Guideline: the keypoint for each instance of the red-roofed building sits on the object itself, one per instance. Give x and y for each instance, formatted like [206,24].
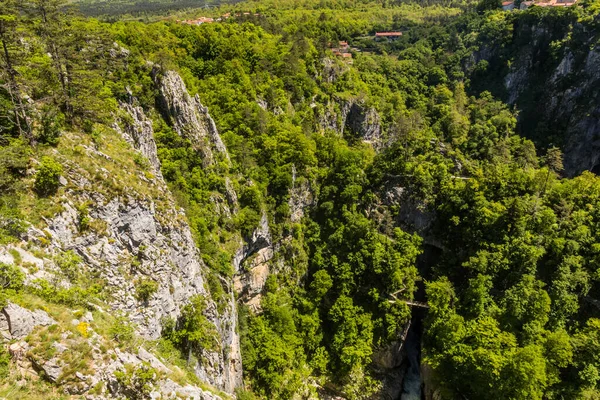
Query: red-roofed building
[199,21]
[388,35]
[508,5]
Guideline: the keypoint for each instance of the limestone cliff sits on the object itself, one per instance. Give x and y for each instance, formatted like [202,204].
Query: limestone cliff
[354,119]
[188,116]
[117,215]
[550,73]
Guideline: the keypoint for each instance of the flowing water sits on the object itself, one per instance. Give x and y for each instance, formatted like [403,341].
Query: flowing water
[411,384]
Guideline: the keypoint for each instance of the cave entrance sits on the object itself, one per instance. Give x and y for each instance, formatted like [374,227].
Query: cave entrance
[595,169]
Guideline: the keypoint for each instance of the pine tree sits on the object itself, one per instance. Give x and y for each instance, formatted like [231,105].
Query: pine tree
[9,38]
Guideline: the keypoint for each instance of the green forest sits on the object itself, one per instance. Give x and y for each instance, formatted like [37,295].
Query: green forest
[491,233]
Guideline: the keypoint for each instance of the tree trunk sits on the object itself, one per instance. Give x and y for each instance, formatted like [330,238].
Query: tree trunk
[15,92]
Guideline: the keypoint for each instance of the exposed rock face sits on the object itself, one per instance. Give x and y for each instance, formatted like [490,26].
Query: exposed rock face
[52,369]
[362,121]
[17,322]
[249,284]
[557,93]
[575,109]
[430,391]
[231,196]
[139,133]
[139,236]
[188,116]
[163,249]
[301,197]
[100,363]
[332,70]
[354,118]
[252,264]
[222,369]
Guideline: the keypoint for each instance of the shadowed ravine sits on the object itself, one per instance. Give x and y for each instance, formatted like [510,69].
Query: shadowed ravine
[411,385]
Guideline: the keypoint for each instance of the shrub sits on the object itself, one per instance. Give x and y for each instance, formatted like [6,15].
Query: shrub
[121,330]
[73,296]
[247,221]
[11,277]
[12,223]
[141,161]
[83,217]
[193,331]
[242,394]
[144,289]
[52,123]
[47,177]
[4,363]
[14,160]
[137,382]
[69,263]
[251,197]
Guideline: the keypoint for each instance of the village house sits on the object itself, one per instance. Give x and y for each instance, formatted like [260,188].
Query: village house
[556,3]
[199,21]
[387,35]
[342,51]
[525,5]
[508,5]
[545,3]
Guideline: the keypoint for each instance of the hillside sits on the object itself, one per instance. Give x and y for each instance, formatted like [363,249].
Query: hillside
[283,205]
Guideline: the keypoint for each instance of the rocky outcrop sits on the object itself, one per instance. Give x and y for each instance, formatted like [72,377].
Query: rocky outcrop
[231,196]
[362,121]
[570,112]
[252,264]
[222,369]
[189,118]
[102,369]
[136,235]
[353,118]
[301,197]
[430,386]
[550,74]
[140,243]
[17,322]
[332,70]
[139,133]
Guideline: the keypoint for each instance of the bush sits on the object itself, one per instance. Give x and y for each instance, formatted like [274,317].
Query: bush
[141,161]
[48,176]
[52,123]
[14,160]
[242,394]
[247,221]
[192,332]
[251,197]
[4,363]
[12,223]
[75,296]
[69,263]
[83,217]
[137,382]
[121,330]
[144,289]
[11,277]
